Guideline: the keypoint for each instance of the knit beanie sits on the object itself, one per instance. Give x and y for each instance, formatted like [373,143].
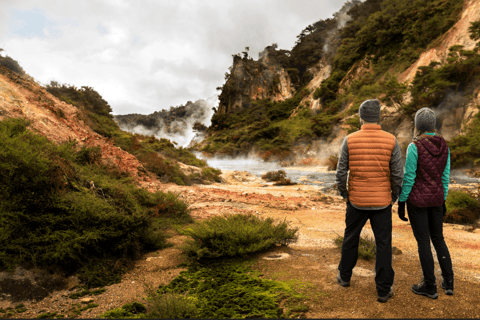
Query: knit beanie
[425,119]
[370,110]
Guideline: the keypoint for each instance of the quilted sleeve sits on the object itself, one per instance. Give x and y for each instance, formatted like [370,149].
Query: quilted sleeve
[410,172]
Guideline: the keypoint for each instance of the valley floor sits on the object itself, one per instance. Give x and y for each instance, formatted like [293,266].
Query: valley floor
[311,262]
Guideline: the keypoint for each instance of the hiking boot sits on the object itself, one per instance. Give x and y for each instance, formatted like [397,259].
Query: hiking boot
[385,298]
[342,283]
[448,288]
[423,290]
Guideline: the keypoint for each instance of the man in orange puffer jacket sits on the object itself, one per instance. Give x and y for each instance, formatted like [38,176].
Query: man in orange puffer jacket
[374,160]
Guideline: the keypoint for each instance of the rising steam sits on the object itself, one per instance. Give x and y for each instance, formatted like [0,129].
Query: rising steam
[175,124]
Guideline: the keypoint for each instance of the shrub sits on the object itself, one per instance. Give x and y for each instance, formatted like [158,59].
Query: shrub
[230,289]
[274,175]
[133,310]
[332,162]
[366,246]
[211,174]
[234,235]
[171,306]
[461,207]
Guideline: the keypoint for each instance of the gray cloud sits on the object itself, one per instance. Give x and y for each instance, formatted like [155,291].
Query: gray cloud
[153,54]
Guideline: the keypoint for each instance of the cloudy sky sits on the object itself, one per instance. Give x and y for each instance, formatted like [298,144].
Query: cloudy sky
[147,55]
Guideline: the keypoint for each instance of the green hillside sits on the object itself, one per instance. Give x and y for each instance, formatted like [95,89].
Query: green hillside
[387,37]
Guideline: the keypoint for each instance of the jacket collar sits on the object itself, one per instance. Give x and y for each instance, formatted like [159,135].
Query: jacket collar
[370,126]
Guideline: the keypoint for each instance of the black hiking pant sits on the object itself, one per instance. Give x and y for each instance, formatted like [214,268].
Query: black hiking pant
[381,222]
[427,224]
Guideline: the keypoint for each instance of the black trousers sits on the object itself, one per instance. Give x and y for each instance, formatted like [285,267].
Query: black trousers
[427,224]
[381,222]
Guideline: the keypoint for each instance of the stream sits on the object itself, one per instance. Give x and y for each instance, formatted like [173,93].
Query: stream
[315,175]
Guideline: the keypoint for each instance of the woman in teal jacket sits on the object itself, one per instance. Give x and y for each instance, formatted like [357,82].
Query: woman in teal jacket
[424,191]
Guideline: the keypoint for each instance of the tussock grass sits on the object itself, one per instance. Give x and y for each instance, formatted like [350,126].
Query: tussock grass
[234,235]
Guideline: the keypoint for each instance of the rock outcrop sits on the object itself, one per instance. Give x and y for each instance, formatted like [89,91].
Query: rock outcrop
[255,80]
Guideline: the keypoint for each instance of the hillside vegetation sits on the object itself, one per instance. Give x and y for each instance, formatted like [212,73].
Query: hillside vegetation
[63,210]
[159,156]
[384,38]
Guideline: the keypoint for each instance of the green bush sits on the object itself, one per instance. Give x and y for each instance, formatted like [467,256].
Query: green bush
[58,211]
[133,310]
[230,289]
[234,235]
[461,207]
[171,306]
[366,246]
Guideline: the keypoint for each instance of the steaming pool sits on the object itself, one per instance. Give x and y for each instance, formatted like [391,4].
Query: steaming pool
[318,176]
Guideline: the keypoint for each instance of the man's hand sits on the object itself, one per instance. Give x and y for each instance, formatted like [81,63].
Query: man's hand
[401,211]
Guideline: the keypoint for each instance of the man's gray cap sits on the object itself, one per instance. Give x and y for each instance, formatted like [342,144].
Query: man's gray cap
[370,110]
[425,119]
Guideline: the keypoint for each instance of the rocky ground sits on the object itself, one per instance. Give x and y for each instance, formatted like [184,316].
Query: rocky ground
[311,261]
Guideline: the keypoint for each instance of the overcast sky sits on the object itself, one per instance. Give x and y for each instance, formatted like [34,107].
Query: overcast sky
[147,55]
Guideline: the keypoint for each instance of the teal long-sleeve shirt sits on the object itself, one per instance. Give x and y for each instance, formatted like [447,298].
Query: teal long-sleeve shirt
[411,172]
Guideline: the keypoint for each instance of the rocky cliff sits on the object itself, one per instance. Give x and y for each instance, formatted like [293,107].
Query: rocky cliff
[339,81]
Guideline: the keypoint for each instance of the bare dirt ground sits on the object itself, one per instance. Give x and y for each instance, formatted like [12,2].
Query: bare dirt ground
[311,263]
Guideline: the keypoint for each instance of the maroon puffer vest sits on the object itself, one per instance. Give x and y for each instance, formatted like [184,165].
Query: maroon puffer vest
[427,190]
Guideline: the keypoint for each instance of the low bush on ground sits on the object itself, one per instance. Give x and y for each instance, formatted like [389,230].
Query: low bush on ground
[133,310]
[366,247]
[278,177]
[171,306]
[230,289]
[461,207]
[274,175]
[60,210]
[234,235]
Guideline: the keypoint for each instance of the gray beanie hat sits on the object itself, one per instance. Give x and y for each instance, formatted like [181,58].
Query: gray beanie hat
[425,119]
[370,110]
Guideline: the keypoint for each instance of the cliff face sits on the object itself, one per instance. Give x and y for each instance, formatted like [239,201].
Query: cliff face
[255,80]
[267,79]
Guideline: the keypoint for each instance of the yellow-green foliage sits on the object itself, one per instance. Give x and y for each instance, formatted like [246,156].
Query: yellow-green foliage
[59,209]
[234,235]
[230,289]
[133,310]
[461,207]
[171,306]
